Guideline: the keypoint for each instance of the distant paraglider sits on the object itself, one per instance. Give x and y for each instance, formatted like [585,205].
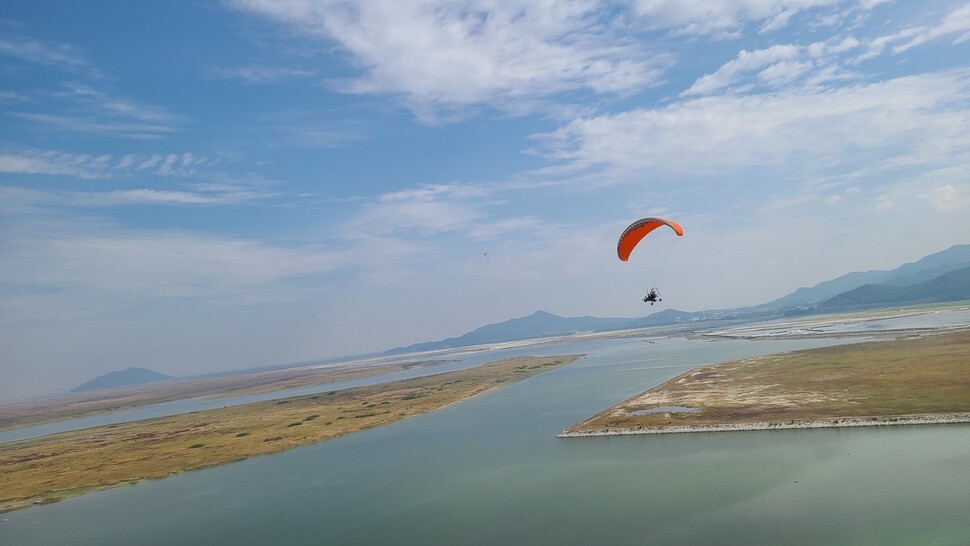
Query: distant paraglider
[485,255]
[635,233]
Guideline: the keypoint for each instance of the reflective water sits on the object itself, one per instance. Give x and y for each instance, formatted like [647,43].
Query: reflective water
[828,325]
[186,405]
[491,471]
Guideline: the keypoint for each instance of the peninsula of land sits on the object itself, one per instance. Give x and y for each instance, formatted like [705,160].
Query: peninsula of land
[47,469]
[918,380]
[74,405]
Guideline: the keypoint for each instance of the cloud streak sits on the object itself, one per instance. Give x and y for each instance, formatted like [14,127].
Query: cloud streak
[438,53]
[46,53]
[89,166]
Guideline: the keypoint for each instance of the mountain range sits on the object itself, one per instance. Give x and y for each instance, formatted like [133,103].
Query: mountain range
[940,277]
[924,269]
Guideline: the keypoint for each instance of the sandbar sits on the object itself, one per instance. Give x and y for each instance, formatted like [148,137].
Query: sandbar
[923,379]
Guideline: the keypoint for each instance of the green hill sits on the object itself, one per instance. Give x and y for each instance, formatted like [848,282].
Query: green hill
[952,286]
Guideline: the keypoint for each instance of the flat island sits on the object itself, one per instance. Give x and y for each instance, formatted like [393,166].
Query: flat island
[43,470]
[903,381]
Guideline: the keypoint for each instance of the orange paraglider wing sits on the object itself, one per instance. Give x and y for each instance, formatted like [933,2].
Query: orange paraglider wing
[638,230]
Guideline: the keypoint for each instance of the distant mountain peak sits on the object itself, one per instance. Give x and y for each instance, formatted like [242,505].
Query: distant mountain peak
[128,377]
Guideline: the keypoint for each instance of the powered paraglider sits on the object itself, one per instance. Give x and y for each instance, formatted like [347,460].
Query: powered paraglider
[638,230]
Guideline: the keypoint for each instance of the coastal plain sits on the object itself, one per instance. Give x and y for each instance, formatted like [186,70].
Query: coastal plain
[47,469]
[917,379]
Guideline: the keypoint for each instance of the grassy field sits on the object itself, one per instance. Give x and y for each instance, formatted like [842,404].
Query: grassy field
[46,469]
[907,377]
[69,406]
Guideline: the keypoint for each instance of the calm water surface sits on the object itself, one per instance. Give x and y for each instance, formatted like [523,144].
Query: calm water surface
[491,471]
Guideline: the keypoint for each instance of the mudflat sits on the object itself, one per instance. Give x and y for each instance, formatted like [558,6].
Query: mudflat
[43,470]
[923,379]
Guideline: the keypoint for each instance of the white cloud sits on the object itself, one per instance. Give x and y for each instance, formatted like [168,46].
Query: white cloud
[947,198]
[779,66]
[912,120]
[723,17]
[425,210]
[746,61]
[439,53]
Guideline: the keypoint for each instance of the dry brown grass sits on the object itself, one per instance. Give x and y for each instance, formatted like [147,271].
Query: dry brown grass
[34,412]
[921,376]
[49,468]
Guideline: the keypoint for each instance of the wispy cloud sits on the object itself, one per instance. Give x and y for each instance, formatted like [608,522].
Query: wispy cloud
[425,210]
[262,74]
[91,166]
[795,128]
[745,62]
[779,66]
[956,22]
[724,18]
[53,163]
[134,131]
[441,53]
[311,129]
[44,52]
[116,107]
[82,108]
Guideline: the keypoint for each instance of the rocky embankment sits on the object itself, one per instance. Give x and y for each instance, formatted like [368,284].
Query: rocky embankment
[938,419]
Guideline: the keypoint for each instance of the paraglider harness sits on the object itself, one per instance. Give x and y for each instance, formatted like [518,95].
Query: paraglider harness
[652,297]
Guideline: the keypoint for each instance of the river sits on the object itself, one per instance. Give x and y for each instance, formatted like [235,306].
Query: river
[490,470]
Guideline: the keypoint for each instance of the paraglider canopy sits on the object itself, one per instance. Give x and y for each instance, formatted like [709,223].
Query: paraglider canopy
[638,230]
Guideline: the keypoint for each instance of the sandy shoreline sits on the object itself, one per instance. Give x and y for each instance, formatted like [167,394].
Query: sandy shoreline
[839,422]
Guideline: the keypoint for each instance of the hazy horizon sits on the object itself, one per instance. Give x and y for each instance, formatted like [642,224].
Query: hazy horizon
[200,187]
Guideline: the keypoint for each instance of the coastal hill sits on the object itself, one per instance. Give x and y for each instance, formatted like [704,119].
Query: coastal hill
[124,378]
[924,269]
[940,277]
[952,286]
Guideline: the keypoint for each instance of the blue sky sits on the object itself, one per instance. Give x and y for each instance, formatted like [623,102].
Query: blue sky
[203,186]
